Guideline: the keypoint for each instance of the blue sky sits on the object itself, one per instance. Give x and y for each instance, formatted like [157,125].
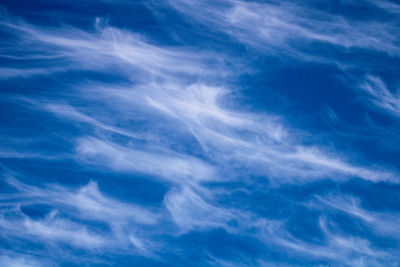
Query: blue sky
[199,133]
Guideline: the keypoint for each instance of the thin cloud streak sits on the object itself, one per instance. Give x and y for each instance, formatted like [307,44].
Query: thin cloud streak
[381,96]
[80,205]
[288,29]
[196,106]
[383,223]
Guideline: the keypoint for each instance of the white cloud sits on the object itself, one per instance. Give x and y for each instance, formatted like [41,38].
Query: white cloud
[381,96]
[166,164]
[172,95]
[334,248]
[190,211]
[284,27]
[227,136]
[72,213]
[21,261]
[107,48]
[382,223]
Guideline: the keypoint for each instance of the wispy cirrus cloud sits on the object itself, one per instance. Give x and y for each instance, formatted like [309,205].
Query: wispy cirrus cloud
[107,48]
[291,28]
[171,114]
[21,261]
[381,96]
[165,164]
[197,107]
[69,211]
[383,223]
[334,247]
